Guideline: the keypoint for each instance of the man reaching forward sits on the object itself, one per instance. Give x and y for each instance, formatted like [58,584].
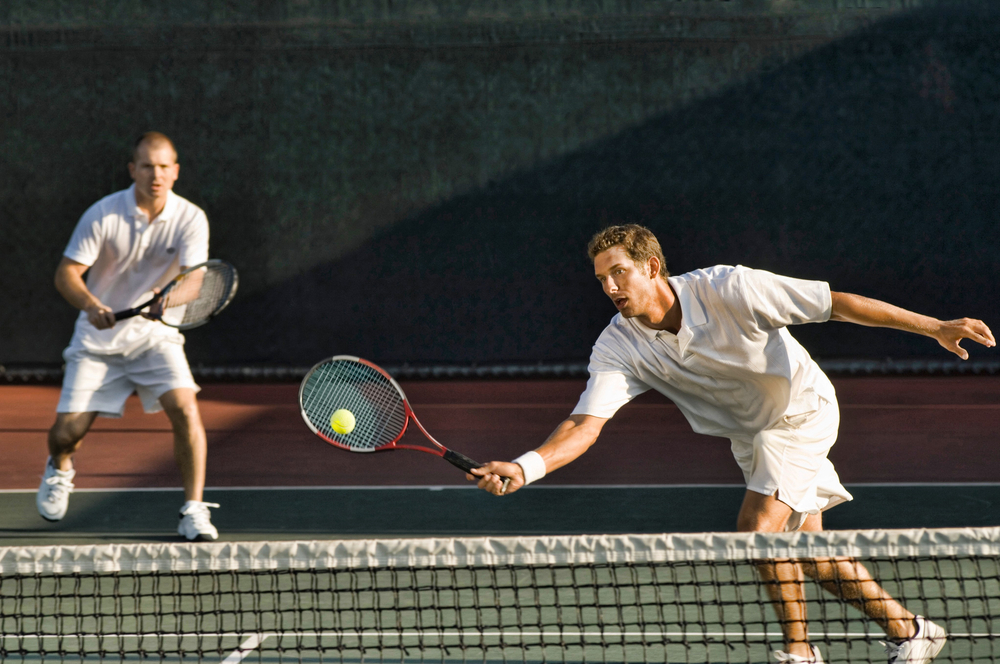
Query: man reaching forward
[715,342]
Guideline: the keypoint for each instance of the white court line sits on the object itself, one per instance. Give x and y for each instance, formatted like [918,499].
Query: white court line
[251,643]
[534,487]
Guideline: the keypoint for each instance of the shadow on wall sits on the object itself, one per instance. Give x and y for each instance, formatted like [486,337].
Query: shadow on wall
[868,163]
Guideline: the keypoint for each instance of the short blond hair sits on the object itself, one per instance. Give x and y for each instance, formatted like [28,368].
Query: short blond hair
[638,242]
[152,138]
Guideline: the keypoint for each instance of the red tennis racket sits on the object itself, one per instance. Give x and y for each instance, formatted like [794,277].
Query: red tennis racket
[377,404]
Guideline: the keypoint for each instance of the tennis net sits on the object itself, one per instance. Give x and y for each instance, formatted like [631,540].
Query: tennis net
[620,598]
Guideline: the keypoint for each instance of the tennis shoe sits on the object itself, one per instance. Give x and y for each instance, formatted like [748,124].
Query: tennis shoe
[196,522]
[787,658]
[53,493]
[921,648]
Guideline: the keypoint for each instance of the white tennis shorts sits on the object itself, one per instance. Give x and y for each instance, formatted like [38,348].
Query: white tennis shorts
[790,459]
[102,383]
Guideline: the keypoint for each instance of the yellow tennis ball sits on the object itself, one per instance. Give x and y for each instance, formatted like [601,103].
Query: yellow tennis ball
[342,421]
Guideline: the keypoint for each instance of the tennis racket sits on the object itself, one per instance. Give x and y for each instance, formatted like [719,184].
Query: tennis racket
[379,408]
[192,298]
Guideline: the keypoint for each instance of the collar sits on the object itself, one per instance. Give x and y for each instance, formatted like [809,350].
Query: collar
[692,313]
[169,208]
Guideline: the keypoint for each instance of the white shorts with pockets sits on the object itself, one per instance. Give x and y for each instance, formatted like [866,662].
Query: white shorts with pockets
[102,383]
[790,458]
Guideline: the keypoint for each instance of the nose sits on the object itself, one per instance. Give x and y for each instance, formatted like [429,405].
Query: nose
[610,286]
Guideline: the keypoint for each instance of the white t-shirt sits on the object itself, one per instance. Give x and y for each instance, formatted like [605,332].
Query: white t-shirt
[129,257]
[732,368]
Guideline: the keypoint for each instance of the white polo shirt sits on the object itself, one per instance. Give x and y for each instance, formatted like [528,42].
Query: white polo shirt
[128,257]
[732,368]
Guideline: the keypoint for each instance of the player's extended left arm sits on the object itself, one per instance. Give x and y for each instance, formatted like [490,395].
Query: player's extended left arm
[875,313]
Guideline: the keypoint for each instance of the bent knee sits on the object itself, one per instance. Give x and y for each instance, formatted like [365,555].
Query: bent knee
[69,429]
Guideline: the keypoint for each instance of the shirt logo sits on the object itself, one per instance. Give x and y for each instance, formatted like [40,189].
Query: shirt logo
[171,250]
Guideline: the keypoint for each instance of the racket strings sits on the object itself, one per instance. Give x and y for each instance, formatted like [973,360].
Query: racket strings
[199,295]
[377,406]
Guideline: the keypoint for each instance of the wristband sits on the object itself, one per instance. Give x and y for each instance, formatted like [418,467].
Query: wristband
[533,466]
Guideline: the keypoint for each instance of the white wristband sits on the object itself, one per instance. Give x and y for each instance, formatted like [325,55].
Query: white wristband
[533,466]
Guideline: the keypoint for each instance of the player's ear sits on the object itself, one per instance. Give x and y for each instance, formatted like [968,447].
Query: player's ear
[654,266]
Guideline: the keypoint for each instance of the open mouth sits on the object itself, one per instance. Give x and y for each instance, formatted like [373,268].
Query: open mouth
[620,301]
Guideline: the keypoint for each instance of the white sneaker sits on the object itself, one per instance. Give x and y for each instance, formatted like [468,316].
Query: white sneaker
[53,493]
[921,648]
[196,522]
[786,658]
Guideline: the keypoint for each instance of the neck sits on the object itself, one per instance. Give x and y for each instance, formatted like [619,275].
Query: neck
[150,205]
[665,314]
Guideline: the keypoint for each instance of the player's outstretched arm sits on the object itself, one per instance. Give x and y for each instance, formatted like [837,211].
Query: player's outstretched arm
[875,313]
[570,439]
[69,282]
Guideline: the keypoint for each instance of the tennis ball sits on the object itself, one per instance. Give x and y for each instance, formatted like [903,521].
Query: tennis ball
[342,421]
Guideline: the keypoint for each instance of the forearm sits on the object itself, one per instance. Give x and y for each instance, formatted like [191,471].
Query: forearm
[70,284]
[570,440]
[861,310]
[874,313]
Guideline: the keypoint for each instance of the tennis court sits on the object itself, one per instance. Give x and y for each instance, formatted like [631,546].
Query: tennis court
[270,599]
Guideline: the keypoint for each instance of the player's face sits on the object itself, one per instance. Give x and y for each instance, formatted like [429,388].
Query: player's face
[630,286]
[154,170]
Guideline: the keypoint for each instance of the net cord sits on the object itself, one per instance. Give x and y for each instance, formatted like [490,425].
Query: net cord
[475,551]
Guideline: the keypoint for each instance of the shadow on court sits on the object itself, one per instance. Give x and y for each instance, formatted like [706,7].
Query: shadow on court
[151,516]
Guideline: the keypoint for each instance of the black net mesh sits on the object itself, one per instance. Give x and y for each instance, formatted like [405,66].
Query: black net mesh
[566,599]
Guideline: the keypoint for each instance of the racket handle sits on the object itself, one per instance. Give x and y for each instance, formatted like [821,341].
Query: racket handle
[465,463]
[461,461]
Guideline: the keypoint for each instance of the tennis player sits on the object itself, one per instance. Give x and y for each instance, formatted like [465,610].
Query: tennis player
[715,341]
[128,245]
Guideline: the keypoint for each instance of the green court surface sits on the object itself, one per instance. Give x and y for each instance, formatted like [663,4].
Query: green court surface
[262,514]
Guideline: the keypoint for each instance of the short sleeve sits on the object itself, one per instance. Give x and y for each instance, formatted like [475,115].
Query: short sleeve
[193,248]
[777,301]
[85,244]
[611,385]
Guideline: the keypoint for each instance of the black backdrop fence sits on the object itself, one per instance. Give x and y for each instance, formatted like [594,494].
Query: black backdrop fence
[416,182]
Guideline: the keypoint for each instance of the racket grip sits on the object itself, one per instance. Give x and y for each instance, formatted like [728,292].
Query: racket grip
[461,461]
[121,315]
[465,463]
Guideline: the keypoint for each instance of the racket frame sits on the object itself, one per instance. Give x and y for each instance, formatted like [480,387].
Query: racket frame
[136,311]
[454,458]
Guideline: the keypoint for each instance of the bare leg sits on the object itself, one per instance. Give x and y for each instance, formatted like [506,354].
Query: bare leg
[783,578]
[65,436]
[849,580]
[190,444]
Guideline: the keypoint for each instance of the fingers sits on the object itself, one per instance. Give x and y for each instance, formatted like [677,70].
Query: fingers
[952,332]
[984,334]
[101,317]
[498,477]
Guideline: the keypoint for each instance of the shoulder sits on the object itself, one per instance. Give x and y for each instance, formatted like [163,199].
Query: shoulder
[620,335]
[718,281]
[187,211]
[111,205]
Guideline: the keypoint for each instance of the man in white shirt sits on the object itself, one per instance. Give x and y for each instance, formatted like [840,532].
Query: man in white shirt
[130,244]
[715,342]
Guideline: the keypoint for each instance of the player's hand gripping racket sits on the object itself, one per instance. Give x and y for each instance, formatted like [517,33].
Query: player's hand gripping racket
[356,405]
[192,298]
